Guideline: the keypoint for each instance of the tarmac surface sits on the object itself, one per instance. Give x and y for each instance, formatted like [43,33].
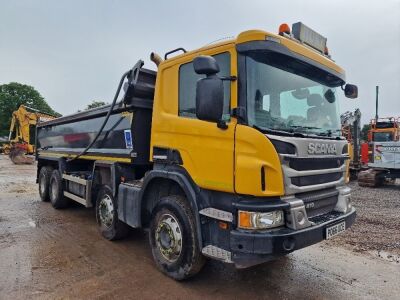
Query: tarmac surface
[47,253]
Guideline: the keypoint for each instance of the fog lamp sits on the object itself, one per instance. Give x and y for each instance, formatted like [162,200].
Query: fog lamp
[260,220]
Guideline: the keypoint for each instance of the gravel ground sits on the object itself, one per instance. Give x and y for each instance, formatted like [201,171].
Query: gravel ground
[377,227]
[59,254]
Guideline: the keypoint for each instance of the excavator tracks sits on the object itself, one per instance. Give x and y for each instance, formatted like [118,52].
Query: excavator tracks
[371,178]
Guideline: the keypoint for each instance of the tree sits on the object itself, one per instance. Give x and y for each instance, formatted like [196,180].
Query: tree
[95,104]
[12,95]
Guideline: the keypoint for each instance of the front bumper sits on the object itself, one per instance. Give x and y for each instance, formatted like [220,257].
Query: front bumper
[251,248]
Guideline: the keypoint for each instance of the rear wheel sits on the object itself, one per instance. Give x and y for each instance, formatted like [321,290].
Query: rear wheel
[110,226]
[173,239]
[44,182]
[56,191]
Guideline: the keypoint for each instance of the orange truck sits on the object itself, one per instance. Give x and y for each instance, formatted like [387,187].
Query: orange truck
[381,130]
[384,130]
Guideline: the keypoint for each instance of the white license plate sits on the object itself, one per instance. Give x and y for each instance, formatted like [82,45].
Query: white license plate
[335,230]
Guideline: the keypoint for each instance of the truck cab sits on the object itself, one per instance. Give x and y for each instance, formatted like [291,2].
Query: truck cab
[245,158]
[384,130]
[279,157]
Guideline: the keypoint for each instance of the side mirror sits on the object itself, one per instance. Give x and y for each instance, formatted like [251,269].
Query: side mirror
[209,90]
[209,99]
[206,65]
[351,91]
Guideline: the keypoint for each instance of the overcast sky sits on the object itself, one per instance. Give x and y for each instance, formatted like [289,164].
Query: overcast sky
[74,52]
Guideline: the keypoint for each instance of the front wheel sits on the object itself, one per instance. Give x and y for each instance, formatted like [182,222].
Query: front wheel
[173,239]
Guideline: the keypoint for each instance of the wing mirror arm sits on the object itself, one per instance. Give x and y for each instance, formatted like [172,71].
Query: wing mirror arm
[228,78]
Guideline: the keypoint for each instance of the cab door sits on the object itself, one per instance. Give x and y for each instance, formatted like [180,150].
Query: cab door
[207,151]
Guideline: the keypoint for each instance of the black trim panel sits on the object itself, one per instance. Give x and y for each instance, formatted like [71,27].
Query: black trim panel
[316,179]
[261,204]
[279,48]
[315,163]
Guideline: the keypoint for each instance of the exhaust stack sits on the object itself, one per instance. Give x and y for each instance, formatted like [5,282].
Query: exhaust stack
[154,57]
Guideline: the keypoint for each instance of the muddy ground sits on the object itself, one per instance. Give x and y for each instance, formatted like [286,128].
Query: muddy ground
[47,254]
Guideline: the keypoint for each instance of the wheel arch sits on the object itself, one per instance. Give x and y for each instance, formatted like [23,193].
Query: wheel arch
[155,186]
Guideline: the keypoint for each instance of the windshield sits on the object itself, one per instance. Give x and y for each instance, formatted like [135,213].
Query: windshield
[281,96]
[383,137]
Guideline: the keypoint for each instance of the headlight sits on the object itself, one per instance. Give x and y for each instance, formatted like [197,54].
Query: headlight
[260,220]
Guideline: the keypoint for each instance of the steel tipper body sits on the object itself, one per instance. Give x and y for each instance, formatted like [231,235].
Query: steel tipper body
[244,159]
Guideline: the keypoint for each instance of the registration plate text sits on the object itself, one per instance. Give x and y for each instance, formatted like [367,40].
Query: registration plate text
[335,230]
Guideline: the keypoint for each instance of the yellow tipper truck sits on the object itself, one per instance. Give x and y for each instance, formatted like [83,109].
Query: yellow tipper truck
[232,152]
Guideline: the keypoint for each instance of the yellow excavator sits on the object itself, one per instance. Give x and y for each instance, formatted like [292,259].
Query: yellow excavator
[21,140]
[351,130]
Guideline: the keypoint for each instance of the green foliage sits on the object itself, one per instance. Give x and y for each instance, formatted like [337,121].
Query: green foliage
[364,132]
[12,95]
[95,104]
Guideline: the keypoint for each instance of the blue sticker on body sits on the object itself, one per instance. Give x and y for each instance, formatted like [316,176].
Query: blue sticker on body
[128,139]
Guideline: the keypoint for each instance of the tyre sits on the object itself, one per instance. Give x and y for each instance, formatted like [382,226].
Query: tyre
[173,238]
[110,226]
[56,190]
[44,182]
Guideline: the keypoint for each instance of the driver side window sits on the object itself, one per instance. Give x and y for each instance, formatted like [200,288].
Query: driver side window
[187,87]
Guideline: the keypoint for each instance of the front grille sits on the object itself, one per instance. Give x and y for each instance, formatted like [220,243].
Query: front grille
[316,179]
[317,195]
[315,163]
[319,202]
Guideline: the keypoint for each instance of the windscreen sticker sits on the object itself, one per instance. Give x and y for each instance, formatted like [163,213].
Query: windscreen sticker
[128,139]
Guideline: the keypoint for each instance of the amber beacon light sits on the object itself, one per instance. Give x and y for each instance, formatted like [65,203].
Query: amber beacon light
[284,28]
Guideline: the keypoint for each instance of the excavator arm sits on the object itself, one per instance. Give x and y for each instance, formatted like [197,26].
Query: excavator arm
[21,122]
[351,129]
[12,127]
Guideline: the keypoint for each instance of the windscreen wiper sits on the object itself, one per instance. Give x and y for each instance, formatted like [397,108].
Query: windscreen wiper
[278,131]
[329,132]
[306,127]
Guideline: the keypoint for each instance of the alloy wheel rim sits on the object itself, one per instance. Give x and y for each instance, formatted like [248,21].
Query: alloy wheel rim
[106,211]
[169,237]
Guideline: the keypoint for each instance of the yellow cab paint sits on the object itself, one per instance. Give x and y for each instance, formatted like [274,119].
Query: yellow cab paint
[221,160]
[253,151]
[206,150]
[351,156]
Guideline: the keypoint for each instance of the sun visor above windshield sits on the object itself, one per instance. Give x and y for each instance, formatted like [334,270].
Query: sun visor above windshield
[280,56]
